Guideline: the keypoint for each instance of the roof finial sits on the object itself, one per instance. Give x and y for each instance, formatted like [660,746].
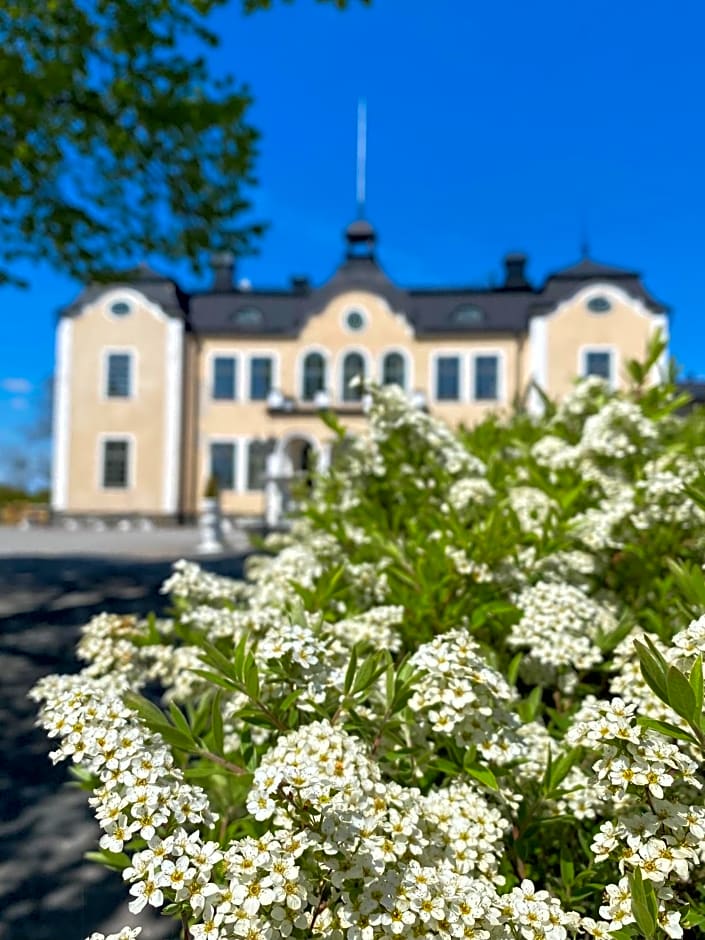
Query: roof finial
[361,155]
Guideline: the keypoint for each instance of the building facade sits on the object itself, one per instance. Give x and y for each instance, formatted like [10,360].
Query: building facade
[157,390]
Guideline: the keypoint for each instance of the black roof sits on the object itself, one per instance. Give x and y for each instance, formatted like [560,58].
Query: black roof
[462,310]
[161,290]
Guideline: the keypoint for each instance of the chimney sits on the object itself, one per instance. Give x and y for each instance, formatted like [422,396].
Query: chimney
[514,265]
[223,266]
[300,284]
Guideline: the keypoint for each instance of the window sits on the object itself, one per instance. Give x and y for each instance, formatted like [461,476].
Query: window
[120,308]
[599,305]
[115,464]
[248,317]
[599,362]
[447,378]
[353,372]
[468,315]
[393,371]
[355,321]
[314,379]
[260,377]
[223,464]
[486,378]
[119,375]
[257,454]
[224,378]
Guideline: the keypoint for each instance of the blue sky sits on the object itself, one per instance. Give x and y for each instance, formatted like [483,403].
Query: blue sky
[492,127]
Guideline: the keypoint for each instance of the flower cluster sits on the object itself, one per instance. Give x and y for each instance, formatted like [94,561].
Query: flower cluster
[559,626]
[456,700]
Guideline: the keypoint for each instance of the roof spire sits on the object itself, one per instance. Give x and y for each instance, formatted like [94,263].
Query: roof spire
[361,156]
[584,240]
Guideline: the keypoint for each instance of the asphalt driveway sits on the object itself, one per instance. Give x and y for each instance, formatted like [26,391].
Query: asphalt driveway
[47,890]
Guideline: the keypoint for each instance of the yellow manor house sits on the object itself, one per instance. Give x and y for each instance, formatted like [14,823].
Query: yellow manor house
[157,389]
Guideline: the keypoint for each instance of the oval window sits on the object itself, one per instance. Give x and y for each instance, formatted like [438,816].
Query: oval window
[599,304]
[120,308]
[355,321]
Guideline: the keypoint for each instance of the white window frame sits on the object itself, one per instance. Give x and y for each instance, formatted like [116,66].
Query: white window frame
[237,459]
[610,348]
[132,353]
[214,354]
[131,441]
[446,353]
[408,366]
[339,371]
[275,358]
[499,355]
[300,372]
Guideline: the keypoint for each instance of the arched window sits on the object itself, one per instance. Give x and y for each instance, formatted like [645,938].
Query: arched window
[314,377]
[353,369]
[393,370]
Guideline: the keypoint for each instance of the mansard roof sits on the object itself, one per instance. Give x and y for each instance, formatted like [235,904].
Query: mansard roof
[562,284]
[431,311]
[162,291]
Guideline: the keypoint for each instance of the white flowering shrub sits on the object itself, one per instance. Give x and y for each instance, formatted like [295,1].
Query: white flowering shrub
[462,698]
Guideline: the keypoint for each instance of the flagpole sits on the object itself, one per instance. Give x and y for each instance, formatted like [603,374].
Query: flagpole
[361,155]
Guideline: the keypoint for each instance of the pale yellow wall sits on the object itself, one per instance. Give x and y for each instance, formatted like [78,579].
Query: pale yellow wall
[91,414]
[385,331]
[626,327]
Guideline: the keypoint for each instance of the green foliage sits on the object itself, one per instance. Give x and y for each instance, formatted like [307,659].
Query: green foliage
[119,143]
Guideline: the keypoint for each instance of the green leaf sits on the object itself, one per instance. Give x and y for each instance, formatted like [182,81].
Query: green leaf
[146,710]
[350,671]
[695,681]
[251,677]
[644,904]
[681,697]
[179,719]
[372,667]
[482,774]
[529,708]
[695,917]
[653,668]
[561,767]
[175,737]
[567,868]
[217,679]
[666,728]
[217,722]
[239,658]
[115,860]
[513,669]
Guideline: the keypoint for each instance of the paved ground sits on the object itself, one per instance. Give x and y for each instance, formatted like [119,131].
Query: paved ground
[50,584]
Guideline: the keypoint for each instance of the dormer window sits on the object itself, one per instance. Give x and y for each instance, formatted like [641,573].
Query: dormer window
[120,308]
[468,315]
[248,317]
[599,304]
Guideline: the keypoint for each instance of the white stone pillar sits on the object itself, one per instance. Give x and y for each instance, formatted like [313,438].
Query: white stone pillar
[209,527]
